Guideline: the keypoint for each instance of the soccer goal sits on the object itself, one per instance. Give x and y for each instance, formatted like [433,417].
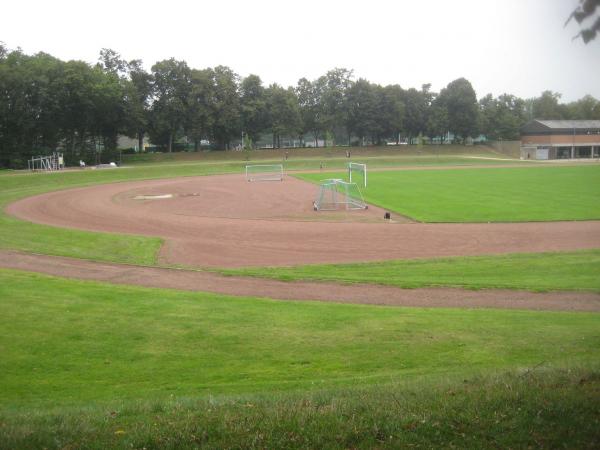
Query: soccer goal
[264,172]
[335,194]
[357,173]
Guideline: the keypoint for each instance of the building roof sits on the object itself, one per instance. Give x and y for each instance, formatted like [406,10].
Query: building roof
[554,127]
[562,124]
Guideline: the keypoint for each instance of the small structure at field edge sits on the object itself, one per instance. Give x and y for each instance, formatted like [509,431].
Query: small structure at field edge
[50,163]
[560,139]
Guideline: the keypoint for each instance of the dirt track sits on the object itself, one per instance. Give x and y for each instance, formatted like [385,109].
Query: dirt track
[224,221]
[364,294]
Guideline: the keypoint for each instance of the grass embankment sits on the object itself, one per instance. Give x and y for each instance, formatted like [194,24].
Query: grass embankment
[20,235]
[528,271]
[93,364]
[530,409]
[67,342]
[403,154]
[485,195]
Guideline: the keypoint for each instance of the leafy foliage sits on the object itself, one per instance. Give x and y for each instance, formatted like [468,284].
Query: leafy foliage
[81,109]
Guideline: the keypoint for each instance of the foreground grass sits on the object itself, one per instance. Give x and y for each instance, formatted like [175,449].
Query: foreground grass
[66,342]
[544,408]
[19,235]
[528,271]
[485,195]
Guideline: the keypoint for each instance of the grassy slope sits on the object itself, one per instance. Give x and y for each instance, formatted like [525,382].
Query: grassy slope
[528,271]
[403,154]
[66,342]
[95,365]
[532,409]
[486,195]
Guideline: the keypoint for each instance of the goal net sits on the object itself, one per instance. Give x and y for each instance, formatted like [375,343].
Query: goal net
[357,173]
[264,172]
[337,194]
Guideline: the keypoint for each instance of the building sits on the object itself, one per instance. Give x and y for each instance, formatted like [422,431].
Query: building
[560,139]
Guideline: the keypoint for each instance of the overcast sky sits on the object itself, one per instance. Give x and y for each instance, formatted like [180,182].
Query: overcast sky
[514,46]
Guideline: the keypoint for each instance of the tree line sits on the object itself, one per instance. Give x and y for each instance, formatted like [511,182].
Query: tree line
[82,109]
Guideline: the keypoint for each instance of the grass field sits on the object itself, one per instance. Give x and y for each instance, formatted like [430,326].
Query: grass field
[533,271]
[71,346]
[72,342]
[94,365]
[485,195]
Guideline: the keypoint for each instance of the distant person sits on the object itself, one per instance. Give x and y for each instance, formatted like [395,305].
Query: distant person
[286,155]
[347,153]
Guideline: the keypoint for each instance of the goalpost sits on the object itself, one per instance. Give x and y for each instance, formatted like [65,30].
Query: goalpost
[337,194]
[358,169]
[264,172]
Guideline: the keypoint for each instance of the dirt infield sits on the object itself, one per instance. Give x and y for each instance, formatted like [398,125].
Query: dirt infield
[256,287]
[225,221]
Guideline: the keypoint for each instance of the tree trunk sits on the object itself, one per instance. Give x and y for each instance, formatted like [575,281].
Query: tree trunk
[170,145]
[196,145]
[140,141]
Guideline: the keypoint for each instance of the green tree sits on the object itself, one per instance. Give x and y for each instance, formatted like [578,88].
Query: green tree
[585,108]
[111,62]
[284,112]
[138,94]
[171,95]
[460,101]
[332,88]
[502,118]
[201,106]
[437,121]
[416,106]
[361,109]
[311,112]
[391,112]
[547,106]
[253,107]
[227,117]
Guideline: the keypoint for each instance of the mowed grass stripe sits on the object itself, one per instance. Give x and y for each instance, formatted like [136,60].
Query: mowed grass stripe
[527,271]
[485,195]
[66,342]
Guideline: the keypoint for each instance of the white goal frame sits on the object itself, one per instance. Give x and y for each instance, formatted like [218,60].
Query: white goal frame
[335,194]
[359,167]
[264,172]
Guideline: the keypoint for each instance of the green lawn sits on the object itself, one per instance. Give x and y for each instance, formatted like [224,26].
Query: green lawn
[528,271]
[88,364]
[66,342]
[485,195]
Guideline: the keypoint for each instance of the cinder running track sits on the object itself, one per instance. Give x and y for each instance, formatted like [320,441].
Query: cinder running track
[225,221]
[365,294]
